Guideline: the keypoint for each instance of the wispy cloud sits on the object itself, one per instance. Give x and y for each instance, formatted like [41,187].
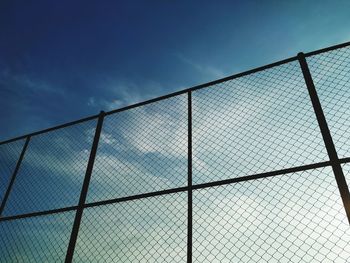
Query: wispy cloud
[24,82]
[210,71]
[120,93]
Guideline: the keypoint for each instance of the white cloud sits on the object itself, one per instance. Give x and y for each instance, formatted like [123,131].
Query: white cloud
[91,102]
[254,124]
[107,138]
[210,71]
[25,82]
[123,93]
[222,219]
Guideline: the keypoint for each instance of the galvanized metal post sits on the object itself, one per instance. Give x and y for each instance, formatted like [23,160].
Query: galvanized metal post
[326,134]
[84,190]
[189,216]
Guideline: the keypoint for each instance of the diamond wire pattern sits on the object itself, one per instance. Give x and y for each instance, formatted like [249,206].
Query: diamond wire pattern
[141,150]
[289,218]
[331,74]
[346,170]
[145,230]
[9,155]
[257,123]
[253,124]
[52,170]
[36,239]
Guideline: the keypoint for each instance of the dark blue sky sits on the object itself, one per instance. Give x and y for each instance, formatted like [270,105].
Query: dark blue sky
[63,60]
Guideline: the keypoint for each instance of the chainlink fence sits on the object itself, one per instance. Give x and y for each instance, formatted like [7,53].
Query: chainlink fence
[254,167]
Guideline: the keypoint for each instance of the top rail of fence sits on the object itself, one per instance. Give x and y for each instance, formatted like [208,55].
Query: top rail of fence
[197,87]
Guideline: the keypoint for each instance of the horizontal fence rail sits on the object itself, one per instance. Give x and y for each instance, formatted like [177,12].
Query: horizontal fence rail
[253,167]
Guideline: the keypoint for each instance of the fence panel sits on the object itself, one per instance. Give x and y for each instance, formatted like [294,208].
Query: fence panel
[141,150]
[146,230]
[235,170]
[36,239]
[295,217]
[9,156]
[257,123]
[52,170]
[331,74]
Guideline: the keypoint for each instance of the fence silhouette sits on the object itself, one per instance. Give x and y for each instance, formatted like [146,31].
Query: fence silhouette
[249,168]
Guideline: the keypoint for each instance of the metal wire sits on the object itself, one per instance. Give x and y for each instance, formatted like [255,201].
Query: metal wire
[331,74]
[257,123]
[295,217]
[35,239]
[242,169]
[9,155]
[52,170]
[141,150]
[145,230]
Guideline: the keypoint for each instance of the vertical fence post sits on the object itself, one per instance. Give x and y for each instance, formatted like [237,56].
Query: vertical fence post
[327,138]
[9,188]
[189,194]
[84,190]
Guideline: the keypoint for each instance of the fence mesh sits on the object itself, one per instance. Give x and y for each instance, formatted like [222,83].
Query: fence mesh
[146,230]
[36,239]
[9,155]
[52,170]
[346,169]
[331,75]
[295,217]
[257,123]
[142,150]
[263,188]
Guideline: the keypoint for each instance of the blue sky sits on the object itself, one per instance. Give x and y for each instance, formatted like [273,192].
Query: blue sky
[63,60]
